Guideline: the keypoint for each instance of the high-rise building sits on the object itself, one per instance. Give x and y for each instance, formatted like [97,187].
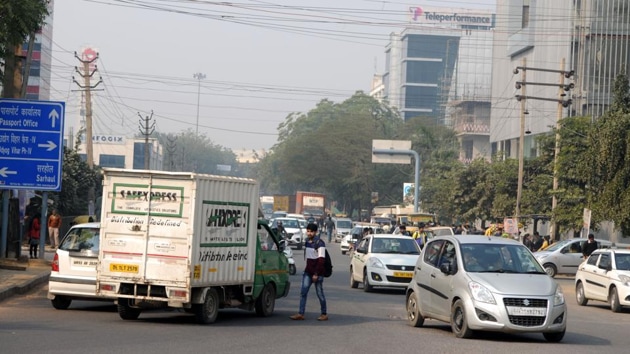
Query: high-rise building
[592,38]
[38,86]
[440,67]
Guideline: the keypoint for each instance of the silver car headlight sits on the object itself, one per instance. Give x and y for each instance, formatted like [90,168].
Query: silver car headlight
[558,297]
[624,279]
[375,263]
[481,293]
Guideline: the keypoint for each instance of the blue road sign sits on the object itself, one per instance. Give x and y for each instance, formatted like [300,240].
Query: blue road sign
[31,144]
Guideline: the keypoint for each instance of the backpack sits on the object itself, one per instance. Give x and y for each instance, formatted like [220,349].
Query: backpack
[328,266]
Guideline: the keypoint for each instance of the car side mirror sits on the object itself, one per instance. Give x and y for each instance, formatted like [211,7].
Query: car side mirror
[446,268]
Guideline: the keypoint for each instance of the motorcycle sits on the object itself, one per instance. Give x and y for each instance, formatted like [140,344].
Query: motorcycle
[289,254]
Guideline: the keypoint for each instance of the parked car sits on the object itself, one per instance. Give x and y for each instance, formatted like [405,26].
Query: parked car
[485,283]
[294,231]
[564,257]
[604,276]
[73,273]
[383,260]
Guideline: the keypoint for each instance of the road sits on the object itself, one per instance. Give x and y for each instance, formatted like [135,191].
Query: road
[359,323]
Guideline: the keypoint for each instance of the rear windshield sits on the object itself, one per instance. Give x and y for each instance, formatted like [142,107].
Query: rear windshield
[81,239]
[344,224]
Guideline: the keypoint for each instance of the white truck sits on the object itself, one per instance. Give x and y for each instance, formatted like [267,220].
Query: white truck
[188,241]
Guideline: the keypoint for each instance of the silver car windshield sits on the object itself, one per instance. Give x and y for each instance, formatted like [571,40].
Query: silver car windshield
[489,258]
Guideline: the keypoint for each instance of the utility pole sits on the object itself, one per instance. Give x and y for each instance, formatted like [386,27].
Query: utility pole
[199,77]
[171,147]
[521,142]
[562,103]
[146,130]
[87,88]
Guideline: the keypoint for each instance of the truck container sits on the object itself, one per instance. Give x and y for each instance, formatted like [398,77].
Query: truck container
[189,241]
[284,203]
[310,204]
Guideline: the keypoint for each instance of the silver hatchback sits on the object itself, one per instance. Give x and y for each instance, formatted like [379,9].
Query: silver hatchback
[485,283]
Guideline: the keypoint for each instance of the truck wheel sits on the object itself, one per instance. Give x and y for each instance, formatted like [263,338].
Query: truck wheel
[207,312]
[127,312]
[61,302]
[266,302]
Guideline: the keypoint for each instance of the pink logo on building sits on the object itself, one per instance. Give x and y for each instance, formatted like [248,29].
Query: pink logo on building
[416,12]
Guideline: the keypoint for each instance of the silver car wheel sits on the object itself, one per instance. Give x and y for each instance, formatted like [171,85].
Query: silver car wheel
[414,317]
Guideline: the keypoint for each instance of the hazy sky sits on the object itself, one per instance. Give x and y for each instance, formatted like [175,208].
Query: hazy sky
[262,60]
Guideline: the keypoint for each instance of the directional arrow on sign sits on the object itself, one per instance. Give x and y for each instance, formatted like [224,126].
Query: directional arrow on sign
[50,145]
[53,116]
[4,172]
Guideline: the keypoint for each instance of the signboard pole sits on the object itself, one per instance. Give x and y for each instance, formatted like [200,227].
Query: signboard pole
[416,169]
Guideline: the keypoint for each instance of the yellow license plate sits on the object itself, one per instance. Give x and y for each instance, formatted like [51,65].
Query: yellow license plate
[403,274]
[123,268]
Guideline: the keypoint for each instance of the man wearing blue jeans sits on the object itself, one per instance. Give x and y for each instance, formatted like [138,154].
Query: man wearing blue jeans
[315,254]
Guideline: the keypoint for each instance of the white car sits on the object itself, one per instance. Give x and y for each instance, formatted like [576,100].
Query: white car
[604,276]
[383,260]
[295,233]
[73,274]
[485,283]
[343,226]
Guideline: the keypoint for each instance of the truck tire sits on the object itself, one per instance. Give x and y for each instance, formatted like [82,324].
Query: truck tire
[127,312]
[207,312]
[266,302]
[61,302]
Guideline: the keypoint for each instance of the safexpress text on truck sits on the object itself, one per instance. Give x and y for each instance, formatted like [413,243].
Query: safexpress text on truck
[186,240]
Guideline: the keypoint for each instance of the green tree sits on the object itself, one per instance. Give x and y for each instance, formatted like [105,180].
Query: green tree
[77,178]
[328,150]
[609,160]
[196,153]
[18,19]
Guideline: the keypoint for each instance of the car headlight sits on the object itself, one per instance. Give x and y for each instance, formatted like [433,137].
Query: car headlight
[558,297]
[481,293]
[624,279]
[375,263]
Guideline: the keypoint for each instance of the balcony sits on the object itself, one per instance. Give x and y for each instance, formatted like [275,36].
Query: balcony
[471,127]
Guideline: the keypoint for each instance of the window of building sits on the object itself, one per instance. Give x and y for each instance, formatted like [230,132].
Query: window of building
[467,146]
[525,14]
[111,161]
[138,156]
[421,97]
[423,72]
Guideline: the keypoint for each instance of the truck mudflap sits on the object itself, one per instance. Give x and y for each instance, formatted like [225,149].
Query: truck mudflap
[287,286]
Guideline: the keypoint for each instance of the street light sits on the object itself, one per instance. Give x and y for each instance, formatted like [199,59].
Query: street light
[199,77]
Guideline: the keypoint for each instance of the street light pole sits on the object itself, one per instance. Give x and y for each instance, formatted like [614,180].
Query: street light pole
[199,77]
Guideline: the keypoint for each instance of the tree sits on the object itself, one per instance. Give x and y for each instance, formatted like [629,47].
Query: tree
[19,19]
[196,153]
[609,160]
[77,178]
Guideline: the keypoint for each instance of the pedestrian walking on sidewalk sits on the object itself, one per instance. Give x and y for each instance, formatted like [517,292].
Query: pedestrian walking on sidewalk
[33,235]
[315,254]
[54,222]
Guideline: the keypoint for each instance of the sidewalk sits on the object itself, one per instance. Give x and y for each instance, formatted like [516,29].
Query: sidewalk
[20,277]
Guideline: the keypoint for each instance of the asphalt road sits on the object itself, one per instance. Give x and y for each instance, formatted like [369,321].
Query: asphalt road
[359,323]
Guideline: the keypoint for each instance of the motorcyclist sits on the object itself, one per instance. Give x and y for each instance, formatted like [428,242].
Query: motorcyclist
[281,230]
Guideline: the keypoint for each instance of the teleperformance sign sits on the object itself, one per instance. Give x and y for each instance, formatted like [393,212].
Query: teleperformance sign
[31,144]
[448,16]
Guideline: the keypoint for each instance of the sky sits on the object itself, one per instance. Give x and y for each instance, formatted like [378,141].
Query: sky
[260,60]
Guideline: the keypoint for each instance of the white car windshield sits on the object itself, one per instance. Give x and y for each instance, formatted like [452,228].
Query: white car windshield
[485,258]
[394,245]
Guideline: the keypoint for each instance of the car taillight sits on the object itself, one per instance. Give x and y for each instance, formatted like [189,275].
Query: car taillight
[55,263]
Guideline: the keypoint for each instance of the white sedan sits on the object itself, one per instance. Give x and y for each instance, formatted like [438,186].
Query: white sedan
[604,276]
[383,260]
